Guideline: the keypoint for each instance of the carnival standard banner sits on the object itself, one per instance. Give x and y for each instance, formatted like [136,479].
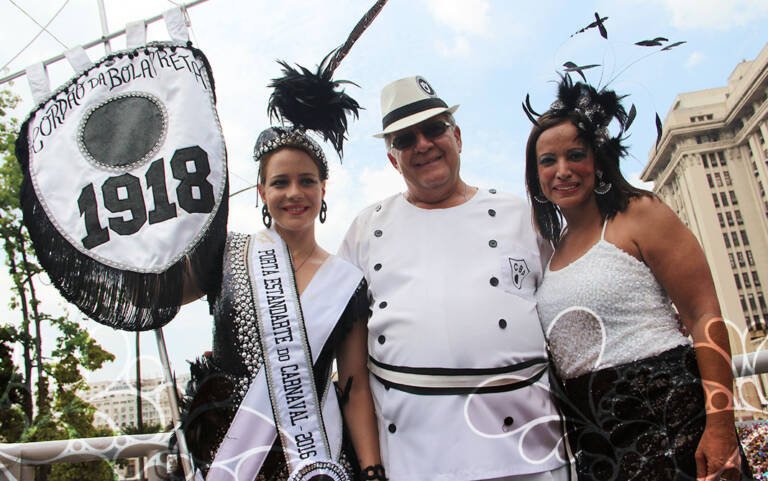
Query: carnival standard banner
[125,183]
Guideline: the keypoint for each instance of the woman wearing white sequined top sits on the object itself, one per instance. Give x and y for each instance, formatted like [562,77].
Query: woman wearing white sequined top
[631,382]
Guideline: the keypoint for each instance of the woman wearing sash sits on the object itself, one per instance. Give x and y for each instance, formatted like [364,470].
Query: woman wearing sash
[642,401]
[262,404]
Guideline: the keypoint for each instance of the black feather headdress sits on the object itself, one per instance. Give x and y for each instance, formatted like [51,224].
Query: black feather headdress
[313,101]
[594,109]
[597,107]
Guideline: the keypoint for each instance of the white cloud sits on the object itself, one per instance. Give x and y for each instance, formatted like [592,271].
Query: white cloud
[694,59]
[380,183]
[462,16]
[714,14]
[634,179]
[459,48]
[466,19]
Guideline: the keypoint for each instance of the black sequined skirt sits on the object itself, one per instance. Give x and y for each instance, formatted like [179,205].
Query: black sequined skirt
[640,421]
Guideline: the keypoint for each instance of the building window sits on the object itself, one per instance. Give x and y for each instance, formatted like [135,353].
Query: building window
[710,116]
[727,241]
[698,139]
[752,303]
[761,301]
[741,258]
[715,200]
[737,281]
[755,279]
[724,199]
[744,238]
[727,176]
[747,282]
[709,179]
[750,259]
[739,220]
[713,160]
[734,201]
[729,216]
[733,261]
[720,218]
[735,239]
[718,179]
[743,303]
[704,160]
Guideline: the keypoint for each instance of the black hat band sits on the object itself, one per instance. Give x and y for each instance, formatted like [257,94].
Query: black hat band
[412,108]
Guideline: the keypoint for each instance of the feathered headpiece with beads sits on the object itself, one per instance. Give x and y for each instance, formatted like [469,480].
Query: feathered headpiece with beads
[594,108]
[312,101]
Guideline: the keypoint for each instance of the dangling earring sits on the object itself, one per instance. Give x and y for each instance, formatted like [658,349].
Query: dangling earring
[323,212]
[602,186]
[540,199]
[266,217]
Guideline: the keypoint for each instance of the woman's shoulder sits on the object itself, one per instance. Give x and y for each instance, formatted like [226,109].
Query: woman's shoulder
[646,208]
[647,219]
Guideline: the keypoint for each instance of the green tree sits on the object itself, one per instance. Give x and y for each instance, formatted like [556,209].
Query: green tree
[57,413]
[12,421]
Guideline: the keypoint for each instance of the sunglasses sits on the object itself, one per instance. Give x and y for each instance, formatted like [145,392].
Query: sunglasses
[430,131]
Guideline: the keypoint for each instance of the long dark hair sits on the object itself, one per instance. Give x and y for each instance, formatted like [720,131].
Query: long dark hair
[548,218]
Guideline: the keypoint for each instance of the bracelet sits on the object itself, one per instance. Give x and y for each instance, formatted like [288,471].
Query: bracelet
[373,473]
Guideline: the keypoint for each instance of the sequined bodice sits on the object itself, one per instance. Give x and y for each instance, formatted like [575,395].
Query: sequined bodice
[605,309]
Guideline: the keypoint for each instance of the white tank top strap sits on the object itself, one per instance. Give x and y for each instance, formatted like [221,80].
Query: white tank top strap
[602,234]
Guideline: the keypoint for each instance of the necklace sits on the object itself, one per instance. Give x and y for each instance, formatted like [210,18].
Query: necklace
[296,270]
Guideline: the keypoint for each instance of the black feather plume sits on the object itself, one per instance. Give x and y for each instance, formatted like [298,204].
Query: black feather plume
[579,69]
[528,105]
[313,101]
[630,117]
[599,21]
[568,93]
[673,45]
[601,26]
[530,115]
[654,42]
[361,26]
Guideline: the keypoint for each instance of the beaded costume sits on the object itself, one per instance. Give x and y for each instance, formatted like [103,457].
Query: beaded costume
[631,388]
[221,379]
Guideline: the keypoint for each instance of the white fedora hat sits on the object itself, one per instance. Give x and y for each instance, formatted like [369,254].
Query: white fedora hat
[407,102]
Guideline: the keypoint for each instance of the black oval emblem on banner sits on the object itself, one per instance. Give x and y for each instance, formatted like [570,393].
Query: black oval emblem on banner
[123,131]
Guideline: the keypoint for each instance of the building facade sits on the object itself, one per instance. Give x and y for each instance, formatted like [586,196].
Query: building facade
[711,168]
[115,403]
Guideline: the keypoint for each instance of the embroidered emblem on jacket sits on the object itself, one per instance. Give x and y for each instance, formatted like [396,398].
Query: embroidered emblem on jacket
[520,271]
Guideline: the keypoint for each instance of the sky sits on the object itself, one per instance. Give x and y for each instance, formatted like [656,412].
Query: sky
[484,55]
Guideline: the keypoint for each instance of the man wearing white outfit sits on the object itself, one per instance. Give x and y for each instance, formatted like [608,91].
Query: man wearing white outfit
[456,353]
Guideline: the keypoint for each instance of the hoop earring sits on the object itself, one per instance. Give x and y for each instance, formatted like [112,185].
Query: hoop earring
[266,217]
[602,187]
[540,199]
[323,212]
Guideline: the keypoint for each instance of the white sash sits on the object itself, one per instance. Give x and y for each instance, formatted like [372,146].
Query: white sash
[311,437]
